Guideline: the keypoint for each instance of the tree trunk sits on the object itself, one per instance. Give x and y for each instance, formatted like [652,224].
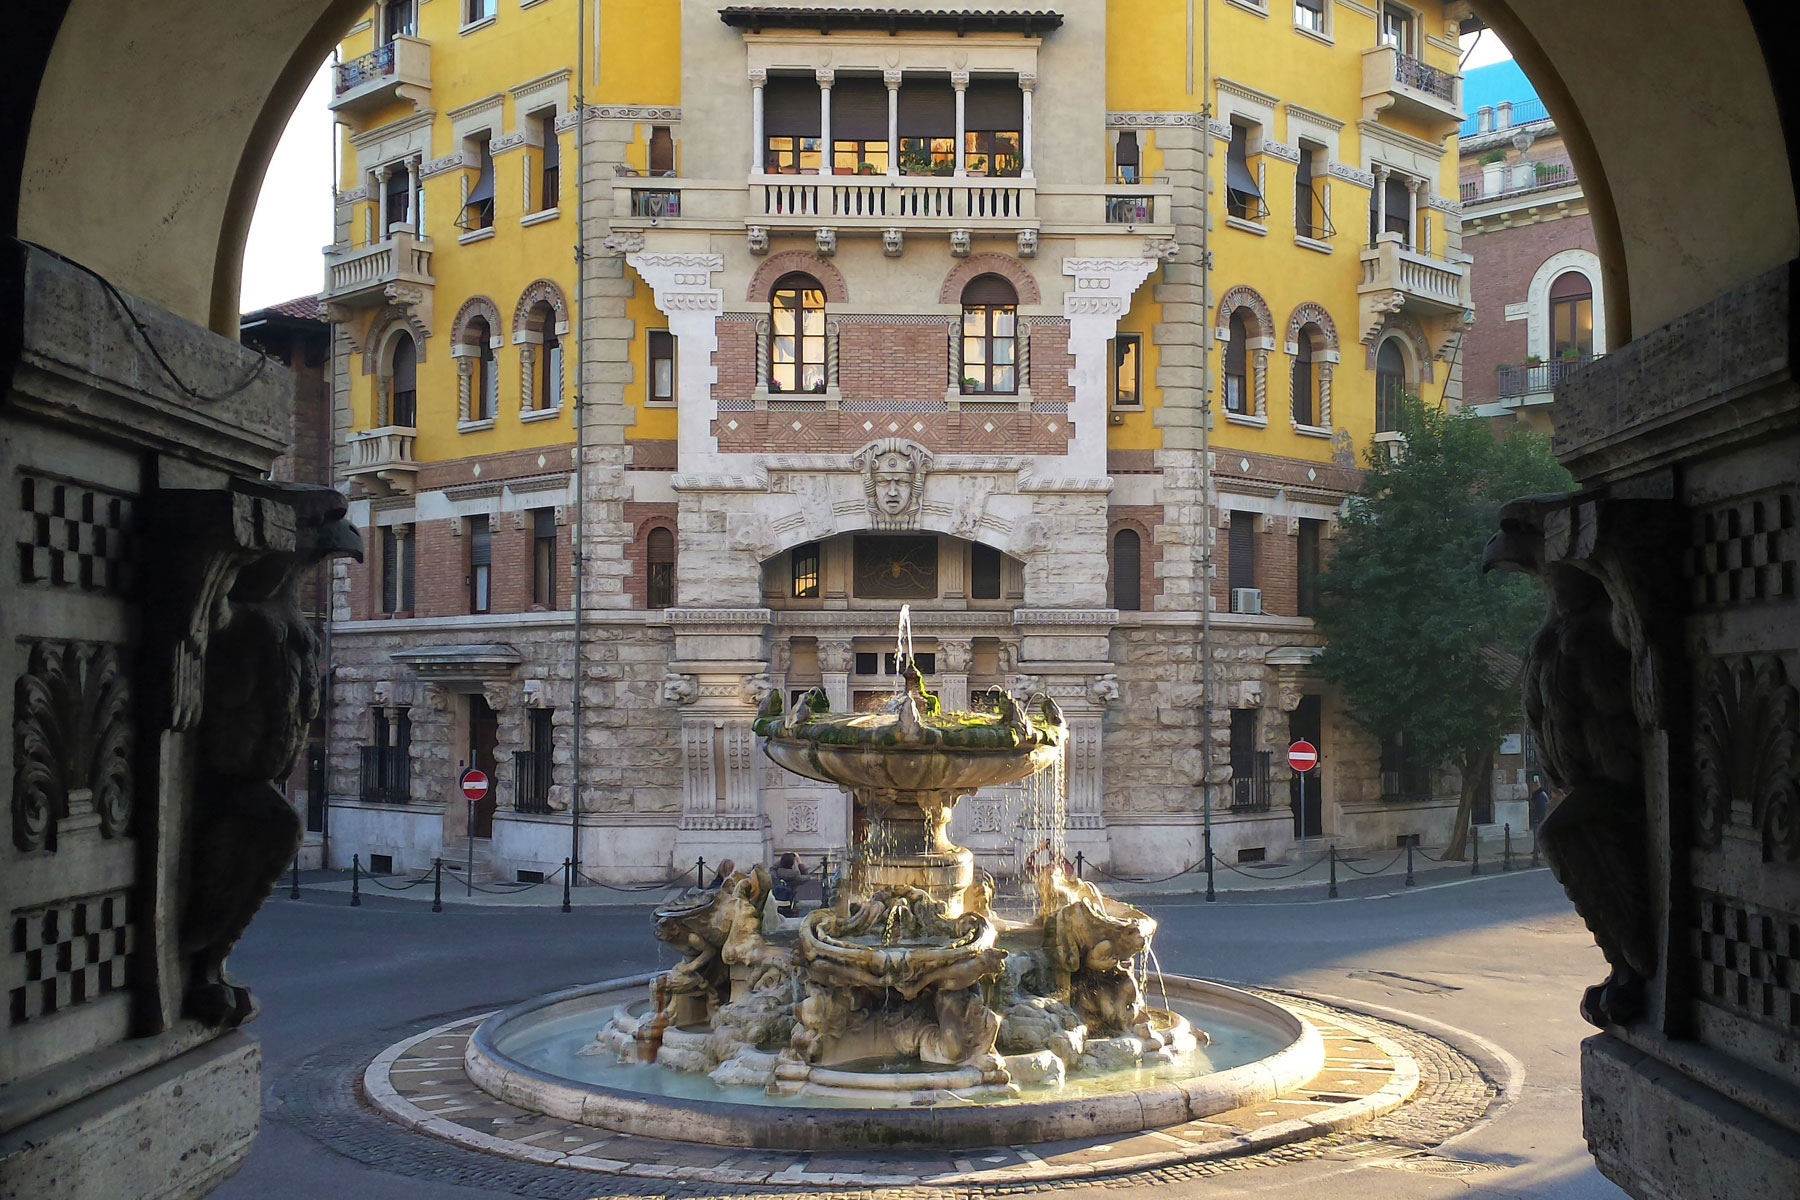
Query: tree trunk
[1474,763]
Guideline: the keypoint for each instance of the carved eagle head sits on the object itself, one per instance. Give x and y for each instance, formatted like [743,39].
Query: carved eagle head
[1519,544]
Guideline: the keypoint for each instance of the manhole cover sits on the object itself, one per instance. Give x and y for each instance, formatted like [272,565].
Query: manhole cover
[1432,1164]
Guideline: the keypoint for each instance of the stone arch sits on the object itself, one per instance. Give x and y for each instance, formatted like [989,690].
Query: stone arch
[474,306]
[378,344]
[539,291]
[1003,265]
[807,263]
[1244,296]
[1537,298]
[1309,313]
[1405,328]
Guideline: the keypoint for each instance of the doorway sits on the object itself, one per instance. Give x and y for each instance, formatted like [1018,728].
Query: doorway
[1305,723]
[315,787]
[484,736]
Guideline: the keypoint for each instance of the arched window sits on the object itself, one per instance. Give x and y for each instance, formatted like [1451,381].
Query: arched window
[1127,571]
[1571,316]
[1306,375]
[659,568]
[989,337]
[404,410]
[484,388]
[1237,394]
[797,325]
[1390,383]
[541,324]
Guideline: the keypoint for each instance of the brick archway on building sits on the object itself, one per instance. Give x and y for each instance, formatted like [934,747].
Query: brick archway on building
[804,262]
[1003,265]
[1244,296]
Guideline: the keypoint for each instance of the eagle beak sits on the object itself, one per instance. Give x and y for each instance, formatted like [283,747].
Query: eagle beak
[338,539]
[1503,554]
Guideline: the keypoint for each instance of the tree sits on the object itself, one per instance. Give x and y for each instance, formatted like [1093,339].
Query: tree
[1416,634]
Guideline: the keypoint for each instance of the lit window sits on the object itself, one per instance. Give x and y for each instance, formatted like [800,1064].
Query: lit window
[1571,316]
[797,322]
[989,337]
[1128,370]
[806,572]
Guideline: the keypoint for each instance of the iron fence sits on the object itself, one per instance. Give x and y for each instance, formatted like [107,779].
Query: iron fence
[386,775]
[531,782]
[358,71]
[1250,787]
[1524,379]
[1416,74]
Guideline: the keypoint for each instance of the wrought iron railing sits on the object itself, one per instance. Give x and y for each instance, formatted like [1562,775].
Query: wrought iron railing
[358,71]
[1524,112]
[1250,790]
[531,782]
[386,775]
[1416,74]
[655,202]
[1523,379]
[1130,210]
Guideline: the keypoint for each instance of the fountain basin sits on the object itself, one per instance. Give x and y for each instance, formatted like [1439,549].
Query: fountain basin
[526,1056]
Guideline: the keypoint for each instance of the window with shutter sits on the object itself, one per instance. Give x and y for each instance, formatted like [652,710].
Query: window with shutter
[1243,198]
[1240,559]
[791,121]
[859,126]
[927,116]
[404,408]
[1127,571]
[659,569]
[481,564]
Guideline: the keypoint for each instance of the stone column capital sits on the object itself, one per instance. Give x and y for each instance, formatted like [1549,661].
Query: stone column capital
[826,76]
[959,80]
[758,77]
[892,79]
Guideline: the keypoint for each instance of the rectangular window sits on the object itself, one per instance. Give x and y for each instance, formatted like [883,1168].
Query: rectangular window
[984,572]
[481,564]
[925,660]
[1310,15]
[661,353]
[1310,218]
[662,152]
[532,767]
[478,207]
[397,192]
[1128,370]
[1397,28]
[1307,566]
[927,127]
[390,569]
[859,126]
[1125,158]
[806,571]
[993,115]
[550,176]
[896,567]
[1237,396]
[791,119]
[1249,766]
[1241,551]
[659,569]
[543,557]
[1396,215]
[477,10]
[868,662]
[399,17]
[1243,198]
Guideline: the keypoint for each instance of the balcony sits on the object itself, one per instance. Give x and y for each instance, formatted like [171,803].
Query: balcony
[1394,276]
[397,268]
[1516,179]
[1405,87]
[398,70]
[878,202]
[382,458]
[1527,384]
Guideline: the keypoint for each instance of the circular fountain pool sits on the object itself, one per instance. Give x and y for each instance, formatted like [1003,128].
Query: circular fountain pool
[532,1056]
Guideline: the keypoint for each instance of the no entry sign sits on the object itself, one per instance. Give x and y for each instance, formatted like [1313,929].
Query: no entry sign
[1303,756]
[474,783]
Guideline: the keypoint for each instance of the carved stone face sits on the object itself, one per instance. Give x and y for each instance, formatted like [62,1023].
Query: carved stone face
[893,484]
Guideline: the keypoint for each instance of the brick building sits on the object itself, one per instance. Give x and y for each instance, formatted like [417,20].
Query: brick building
[663,397]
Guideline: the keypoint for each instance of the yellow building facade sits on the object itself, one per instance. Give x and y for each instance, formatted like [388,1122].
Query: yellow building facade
[1067,328]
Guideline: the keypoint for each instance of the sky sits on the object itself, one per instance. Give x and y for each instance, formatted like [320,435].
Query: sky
[284,256]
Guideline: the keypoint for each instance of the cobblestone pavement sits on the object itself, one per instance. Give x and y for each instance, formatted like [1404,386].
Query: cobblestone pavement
[1504,958]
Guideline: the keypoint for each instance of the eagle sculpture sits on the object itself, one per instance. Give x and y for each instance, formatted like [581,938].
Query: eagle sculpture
[1578,696]
[263,688]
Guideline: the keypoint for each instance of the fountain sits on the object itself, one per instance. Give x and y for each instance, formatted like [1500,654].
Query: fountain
[912,1001]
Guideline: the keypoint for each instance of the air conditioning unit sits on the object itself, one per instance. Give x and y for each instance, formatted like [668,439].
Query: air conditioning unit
[1246,600]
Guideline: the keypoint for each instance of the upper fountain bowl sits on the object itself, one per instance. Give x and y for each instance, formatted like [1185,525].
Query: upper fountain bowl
[912,747]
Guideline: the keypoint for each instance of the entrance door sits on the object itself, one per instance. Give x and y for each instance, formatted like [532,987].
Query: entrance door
[315,788]
[1305,723]
[484,735]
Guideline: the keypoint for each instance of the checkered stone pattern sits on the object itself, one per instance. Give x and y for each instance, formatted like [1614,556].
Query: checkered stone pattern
[1744,552]
[80,536]
[1749,960]
[74,952]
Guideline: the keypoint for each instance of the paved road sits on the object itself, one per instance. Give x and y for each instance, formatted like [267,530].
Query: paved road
[1502,956]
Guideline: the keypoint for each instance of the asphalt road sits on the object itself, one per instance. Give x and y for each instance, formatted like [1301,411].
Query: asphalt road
[1501,956]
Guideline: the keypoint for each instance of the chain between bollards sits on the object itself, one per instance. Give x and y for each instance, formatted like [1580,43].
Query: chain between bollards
[437,885]
[1475,841]
[294,887]
[1409,870]
[1333,893]
[1506,854]
[356,881]
[568,877]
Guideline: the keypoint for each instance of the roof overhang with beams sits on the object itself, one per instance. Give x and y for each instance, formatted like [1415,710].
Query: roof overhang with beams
[891,20]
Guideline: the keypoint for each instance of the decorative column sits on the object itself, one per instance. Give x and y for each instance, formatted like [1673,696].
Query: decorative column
[1381,174]
[892,79]
[758,142]
[1027,85]
[527,377]
[1421,236]
[1412,212]
[960,81]
[1324,413]
[953,659]
[718,676]
[1065,650]
[1259,357]
[834,672]
[825,76]
[384,218]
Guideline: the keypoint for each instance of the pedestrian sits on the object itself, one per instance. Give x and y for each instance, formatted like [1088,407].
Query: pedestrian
[1539,803]
[789,875]
[720,875]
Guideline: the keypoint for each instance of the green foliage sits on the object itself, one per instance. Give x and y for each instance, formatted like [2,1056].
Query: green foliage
[1403,603]
[1497,154]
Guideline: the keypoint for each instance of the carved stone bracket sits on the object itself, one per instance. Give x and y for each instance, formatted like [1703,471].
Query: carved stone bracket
[1746,747]
[72,744]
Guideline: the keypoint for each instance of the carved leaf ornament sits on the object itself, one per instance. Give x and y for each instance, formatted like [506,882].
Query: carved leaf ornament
[1745,755]
[71,742]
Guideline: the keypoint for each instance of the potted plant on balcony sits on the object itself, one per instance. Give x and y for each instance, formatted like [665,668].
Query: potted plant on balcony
[1533,360]
[1493,172]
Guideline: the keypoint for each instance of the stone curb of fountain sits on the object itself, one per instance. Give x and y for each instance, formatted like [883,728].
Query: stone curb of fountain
[380,1093]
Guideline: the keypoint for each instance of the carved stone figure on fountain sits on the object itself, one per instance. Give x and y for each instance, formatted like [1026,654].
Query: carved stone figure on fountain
[713,928]
[1092,943]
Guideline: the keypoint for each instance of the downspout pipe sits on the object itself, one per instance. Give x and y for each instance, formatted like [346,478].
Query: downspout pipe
[1209,528]
[577,550]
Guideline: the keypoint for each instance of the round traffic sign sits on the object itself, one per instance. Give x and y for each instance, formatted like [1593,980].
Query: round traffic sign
[1303,755]
[474,783]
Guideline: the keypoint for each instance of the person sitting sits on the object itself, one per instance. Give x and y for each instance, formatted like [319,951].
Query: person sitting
[789,875]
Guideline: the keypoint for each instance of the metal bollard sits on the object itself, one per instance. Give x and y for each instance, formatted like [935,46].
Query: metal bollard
[1333,893]
[1211,892]
[1080,865]
[1506,851]
[356,881]
[1475,841]
[294,888]
[1410,881]
[568,875]
[700,872]
[437,885]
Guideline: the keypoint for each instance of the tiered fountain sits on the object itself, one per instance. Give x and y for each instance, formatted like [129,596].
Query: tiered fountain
[909,1012]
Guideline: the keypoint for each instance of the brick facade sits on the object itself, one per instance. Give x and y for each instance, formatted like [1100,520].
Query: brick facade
[1145,519]
[642,518]
[1505,260]
[893,362]
[840,430]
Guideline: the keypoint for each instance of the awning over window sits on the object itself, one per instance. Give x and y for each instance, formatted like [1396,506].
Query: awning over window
[1237,168]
